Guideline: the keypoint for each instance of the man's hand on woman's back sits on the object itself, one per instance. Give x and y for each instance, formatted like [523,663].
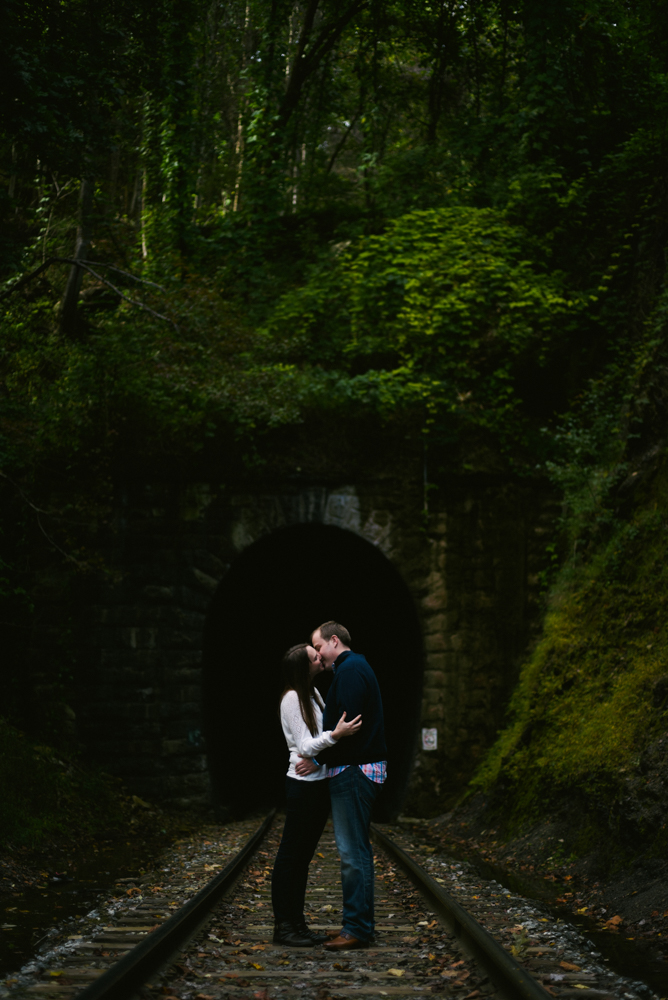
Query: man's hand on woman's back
[344,728]
[305,766]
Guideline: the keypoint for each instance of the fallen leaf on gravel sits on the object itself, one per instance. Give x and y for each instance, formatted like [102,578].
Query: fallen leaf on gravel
[569,966]
[579,986]
[614,921]
[256,965]
[261,995]
[395,972]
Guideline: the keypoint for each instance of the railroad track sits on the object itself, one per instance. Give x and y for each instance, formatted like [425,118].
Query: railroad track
[218,944]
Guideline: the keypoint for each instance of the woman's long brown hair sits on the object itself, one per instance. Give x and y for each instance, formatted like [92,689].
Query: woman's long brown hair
[296,674]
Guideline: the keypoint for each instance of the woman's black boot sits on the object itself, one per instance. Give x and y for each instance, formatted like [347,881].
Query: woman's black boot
[306,931]
[292,935]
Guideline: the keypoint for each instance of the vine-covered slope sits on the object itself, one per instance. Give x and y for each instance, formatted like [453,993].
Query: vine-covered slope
[588,719]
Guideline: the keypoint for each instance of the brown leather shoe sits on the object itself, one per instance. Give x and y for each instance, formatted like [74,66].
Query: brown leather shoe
[333,934]
[345,941]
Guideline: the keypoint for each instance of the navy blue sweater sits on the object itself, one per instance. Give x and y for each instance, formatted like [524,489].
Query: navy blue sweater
[354,690]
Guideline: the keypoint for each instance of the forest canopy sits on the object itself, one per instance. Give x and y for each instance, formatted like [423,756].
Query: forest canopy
[219,218]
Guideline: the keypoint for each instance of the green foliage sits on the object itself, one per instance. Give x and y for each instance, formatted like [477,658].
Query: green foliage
[68,66]
[583,710]
[592,442]
[444,308]
[47,794]
[134,383]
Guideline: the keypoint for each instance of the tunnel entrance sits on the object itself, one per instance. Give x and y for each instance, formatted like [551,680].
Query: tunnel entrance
[276,591]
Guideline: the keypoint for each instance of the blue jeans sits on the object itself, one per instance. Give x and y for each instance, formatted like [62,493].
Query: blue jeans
[352,795]
[306,812]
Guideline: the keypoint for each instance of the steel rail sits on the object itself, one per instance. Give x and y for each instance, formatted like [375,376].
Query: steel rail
[507,974]
[131,971]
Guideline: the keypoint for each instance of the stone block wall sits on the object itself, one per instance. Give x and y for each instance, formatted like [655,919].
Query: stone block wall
[480,610]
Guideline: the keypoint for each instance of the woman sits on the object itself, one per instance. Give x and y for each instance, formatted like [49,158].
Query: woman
[307,805]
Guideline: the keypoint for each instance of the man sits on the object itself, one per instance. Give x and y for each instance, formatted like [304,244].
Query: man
[356,768]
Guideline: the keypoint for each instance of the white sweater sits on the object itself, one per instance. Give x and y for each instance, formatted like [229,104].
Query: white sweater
[298,736]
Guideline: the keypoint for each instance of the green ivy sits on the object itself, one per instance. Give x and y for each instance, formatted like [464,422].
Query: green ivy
[442,308]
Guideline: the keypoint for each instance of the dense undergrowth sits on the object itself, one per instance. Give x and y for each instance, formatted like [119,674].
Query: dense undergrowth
[50,795]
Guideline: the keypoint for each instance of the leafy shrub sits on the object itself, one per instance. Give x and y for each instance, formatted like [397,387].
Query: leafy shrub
[444,308]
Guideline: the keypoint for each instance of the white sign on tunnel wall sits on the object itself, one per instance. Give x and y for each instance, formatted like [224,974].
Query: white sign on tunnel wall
[430,739]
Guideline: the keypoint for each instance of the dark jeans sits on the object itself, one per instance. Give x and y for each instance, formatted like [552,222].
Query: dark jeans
[353,795]
[307,809]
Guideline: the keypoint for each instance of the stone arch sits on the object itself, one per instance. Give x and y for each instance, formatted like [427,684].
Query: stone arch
[256,515]
[277,589]
[467,569]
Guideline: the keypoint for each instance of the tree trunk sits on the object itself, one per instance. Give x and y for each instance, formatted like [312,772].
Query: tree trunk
[68,308]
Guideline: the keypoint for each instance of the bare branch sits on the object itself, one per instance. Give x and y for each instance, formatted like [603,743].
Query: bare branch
[341,143]
[133,277]
[28,277]
[38,511]
[133,302]
[82,264]
[64,554]
[306,62]
[68,314]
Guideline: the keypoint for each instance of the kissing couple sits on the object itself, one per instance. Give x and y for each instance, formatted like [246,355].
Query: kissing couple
[338,760]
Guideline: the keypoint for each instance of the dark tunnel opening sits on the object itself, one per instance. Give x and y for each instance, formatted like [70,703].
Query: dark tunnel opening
[275,592]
